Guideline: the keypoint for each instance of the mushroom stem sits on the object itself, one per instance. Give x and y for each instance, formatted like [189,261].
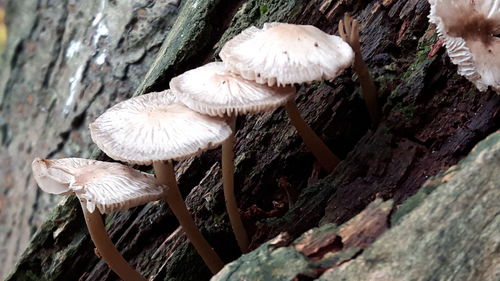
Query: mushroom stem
[106,248]
[368,88]
[325,157]
[165,174]
[349,31]
[228,180]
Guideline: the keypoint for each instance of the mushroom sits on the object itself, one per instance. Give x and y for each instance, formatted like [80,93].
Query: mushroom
[470,32]
[213,90]
[155,129]
[285,54]
[349,31]
[107,186]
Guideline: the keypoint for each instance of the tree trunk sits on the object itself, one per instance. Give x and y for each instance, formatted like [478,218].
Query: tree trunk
[61,70]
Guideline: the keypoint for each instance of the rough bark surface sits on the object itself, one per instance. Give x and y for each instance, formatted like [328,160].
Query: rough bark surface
[452,235]
[448,231]
[431,119]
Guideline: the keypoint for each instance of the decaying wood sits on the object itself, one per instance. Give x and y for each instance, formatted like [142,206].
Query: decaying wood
[451,235]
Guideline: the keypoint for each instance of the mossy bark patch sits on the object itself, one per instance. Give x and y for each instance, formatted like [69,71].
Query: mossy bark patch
[432,119]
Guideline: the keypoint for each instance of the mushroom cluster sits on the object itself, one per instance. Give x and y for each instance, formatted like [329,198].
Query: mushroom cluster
[259,72]
[166,130]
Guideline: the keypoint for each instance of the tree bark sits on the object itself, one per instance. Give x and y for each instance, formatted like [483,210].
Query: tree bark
[446,231]
[431,119]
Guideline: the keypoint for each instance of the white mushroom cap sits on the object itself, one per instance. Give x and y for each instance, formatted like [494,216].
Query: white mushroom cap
[467,29]
[212,89]
[154,127]
[285,54]
[107,186]
[53,181]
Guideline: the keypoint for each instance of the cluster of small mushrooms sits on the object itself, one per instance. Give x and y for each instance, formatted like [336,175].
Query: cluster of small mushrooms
[259,70]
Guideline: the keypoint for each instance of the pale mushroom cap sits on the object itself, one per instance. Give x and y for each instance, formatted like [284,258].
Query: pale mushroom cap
[212,89]
[285,54]
[467,29]
[154,127]
[53,181]
[107,186]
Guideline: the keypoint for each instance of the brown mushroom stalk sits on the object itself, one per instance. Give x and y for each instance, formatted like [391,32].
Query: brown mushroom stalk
[165,174]
[228,182]
[349,31]
[318,148]
[469,30]
[105,246]
[213,90]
